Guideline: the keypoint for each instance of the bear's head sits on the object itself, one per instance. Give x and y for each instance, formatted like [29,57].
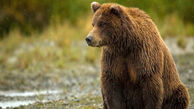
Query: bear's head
[108,26]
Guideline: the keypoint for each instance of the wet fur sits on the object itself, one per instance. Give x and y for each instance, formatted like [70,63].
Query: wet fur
[138,71]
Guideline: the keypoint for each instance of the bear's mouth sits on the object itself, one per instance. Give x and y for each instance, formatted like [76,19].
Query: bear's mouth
[97,44]
[92,45]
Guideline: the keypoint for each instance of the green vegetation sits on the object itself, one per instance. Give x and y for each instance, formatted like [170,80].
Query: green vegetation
[53,46]
[173,18]
[88,102]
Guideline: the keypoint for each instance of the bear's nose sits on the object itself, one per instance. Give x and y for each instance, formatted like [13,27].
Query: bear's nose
[89,40]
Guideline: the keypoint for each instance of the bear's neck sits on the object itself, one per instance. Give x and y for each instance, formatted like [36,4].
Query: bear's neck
[117,50]
[125,47]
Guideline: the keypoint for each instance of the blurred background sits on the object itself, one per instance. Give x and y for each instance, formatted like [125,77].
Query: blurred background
[45,62]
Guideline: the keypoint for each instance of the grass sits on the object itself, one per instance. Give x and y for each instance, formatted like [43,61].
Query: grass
[173,26]
[61,44]
[88,102]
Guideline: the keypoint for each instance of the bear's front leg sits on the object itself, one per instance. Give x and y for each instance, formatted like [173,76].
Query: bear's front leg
[152,88]
[112,94]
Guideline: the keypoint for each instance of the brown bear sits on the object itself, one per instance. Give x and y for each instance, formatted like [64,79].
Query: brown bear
[137,69]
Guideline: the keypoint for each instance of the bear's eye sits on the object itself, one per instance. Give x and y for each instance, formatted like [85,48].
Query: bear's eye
[100,24]
[93,24]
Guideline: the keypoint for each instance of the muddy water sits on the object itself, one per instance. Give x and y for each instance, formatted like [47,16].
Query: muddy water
[15,98]
[79,88]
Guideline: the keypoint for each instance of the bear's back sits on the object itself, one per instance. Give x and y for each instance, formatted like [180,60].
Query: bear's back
[136,12]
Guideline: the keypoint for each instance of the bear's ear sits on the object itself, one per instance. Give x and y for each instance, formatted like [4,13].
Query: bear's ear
[95,6]
[115,10]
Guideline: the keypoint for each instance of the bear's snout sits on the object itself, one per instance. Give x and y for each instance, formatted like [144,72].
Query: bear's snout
[89,40]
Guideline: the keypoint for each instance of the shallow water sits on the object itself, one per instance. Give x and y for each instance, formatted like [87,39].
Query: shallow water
[12,104]
[15,98]
[27,94]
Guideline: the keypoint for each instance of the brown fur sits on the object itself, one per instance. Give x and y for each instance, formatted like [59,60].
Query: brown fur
[138,71]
